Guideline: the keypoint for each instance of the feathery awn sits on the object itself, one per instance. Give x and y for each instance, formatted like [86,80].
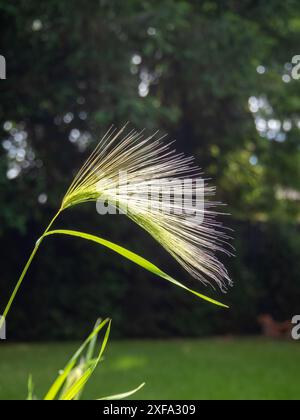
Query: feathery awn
[148,162]
[193,240]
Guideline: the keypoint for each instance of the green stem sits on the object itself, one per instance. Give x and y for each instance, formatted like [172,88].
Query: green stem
[19,283]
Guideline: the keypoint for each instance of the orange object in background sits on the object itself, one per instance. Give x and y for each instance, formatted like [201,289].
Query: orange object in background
[273,329]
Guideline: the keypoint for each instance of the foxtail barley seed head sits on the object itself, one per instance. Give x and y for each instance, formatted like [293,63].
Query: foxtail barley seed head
[191,235]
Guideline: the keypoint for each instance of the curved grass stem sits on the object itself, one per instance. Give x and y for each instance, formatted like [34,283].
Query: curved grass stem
[24,272]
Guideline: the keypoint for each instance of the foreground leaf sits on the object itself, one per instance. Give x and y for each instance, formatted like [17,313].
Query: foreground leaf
[122,396]
[30,396]
[78,386]
[59,382]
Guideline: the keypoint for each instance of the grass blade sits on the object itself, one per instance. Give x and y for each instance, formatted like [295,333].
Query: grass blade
[122,396]
[78,386]
[30,385]
[142,262]
[58,383]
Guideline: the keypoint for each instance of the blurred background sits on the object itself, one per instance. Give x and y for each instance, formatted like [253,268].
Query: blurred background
[216,76]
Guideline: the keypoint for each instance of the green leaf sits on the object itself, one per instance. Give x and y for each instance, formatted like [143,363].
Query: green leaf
[78,386]
[30,386]
[58,383]
[60,380]
[122,396]
[142,262]
[92,345]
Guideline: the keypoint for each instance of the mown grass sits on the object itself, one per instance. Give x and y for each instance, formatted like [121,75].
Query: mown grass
[179,369]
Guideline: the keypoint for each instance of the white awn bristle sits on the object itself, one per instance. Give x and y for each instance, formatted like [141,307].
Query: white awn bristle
[192,241]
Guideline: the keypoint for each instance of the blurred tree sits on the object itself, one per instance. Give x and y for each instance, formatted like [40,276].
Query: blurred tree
[188,67]
[215,75]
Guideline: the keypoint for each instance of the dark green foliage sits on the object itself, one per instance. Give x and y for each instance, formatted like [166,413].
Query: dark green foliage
[69,67]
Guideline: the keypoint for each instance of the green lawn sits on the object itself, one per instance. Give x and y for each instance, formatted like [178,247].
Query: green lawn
[179,369]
